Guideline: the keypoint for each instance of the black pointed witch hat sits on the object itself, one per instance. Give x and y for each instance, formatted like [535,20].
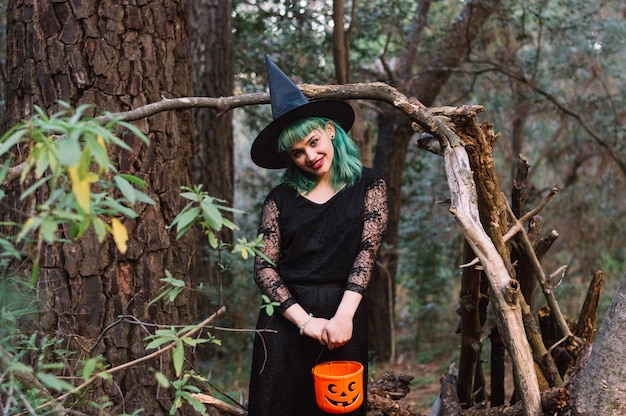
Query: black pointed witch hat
[288,105]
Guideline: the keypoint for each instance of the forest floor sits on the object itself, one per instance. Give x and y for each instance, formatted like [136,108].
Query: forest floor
[427,374]
[425,386]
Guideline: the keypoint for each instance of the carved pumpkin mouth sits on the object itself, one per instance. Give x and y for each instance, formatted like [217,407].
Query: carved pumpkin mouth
[343,403]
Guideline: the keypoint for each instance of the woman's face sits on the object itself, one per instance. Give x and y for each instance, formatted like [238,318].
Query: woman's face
[315,152]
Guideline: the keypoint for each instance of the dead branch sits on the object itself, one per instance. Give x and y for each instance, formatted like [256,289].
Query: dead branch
[554,400]
[219,405]
[518,225]
[543,280]
[586,326]
[541,355]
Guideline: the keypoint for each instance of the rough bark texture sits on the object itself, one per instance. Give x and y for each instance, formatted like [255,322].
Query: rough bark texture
[602,388]
[115,56]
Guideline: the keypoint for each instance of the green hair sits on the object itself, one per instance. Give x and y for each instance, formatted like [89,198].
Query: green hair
[346,166]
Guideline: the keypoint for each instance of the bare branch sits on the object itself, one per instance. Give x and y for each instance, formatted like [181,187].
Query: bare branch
[155,354]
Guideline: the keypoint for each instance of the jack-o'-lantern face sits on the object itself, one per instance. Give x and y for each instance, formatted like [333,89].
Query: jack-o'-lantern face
[344,395]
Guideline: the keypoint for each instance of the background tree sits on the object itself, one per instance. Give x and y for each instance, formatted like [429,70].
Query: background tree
[115,57]
[212,43]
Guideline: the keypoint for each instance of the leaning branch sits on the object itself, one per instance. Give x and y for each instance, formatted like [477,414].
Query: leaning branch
[541,276]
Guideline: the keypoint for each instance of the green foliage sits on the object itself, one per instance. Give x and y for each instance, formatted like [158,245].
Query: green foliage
[68,157]
[268,305]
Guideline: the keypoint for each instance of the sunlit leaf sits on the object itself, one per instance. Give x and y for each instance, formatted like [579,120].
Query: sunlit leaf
[80,189]
[120,235]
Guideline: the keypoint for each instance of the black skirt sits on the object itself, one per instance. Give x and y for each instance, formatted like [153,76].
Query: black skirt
[281,381]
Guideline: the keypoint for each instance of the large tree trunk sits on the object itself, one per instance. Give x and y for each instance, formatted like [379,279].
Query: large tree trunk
[602,387]
[116,56]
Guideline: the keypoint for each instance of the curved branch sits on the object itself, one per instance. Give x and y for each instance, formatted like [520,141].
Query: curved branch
[378,91]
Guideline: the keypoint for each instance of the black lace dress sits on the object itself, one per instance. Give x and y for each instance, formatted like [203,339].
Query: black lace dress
[320,251]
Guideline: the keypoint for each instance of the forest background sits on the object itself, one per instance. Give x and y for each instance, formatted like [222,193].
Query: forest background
[549,74]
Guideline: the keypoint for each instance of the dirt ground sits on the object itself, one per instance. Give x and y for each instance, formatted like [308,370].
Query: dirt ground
[425,386]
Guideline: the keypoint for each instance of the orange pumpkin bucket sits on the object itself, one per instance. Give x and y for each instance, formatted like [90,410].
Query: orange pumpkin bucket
[338,386]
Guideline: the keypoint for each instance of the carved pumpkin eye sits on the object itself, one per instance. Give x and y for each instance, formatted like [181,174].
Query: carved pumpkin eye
[332,388]
[351,386]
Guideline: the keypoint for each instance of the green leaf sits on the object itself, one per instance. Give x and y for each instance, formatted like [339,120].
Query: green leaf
[192,196]
[125,188]
[42,163]
[162,379]
[12,137]
[18,367]
[157,343]
[100,228]
[53,382]
[133,179]
[211,214]
[68,152]
[212,239]
[49,229]
[178,357]
[97,151]
[89,366]
[144,198]
[186,219]
[197,405]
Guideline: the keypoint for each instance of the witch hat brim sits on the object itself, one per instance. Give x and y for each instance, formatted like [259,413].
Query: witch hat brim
[288,105]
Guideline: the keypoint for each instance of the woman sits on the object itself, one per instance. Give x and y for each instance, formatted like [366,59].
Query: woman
[322,228]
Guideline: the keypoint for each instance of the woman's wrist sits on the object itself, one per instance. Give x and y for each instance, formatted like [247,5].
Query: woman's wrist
[304,323]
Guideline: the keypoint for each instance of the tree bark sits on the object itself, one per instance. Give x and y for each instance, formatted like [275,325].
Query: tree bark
[116,56]
[602,387]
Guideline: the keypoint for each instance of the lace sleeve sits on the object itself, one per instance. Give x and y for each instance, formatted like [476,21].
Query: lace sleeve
[374,225]
[265,274]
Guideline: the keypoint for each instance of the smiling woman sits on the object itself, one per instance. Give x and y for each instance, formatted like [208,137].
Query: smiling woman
[322,228]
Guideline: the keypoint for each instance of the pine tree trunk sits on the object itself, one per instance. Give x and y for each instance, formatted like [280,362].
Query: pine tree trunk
[115,56]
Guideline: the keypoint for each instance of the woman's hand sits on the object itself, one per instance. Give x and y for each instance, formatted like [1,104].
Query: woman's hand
[315,329]
[337,332]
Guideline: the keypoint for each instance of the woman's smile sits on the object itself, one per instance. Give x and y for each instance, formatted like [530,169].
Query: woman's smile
[317,164]
[315,152]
